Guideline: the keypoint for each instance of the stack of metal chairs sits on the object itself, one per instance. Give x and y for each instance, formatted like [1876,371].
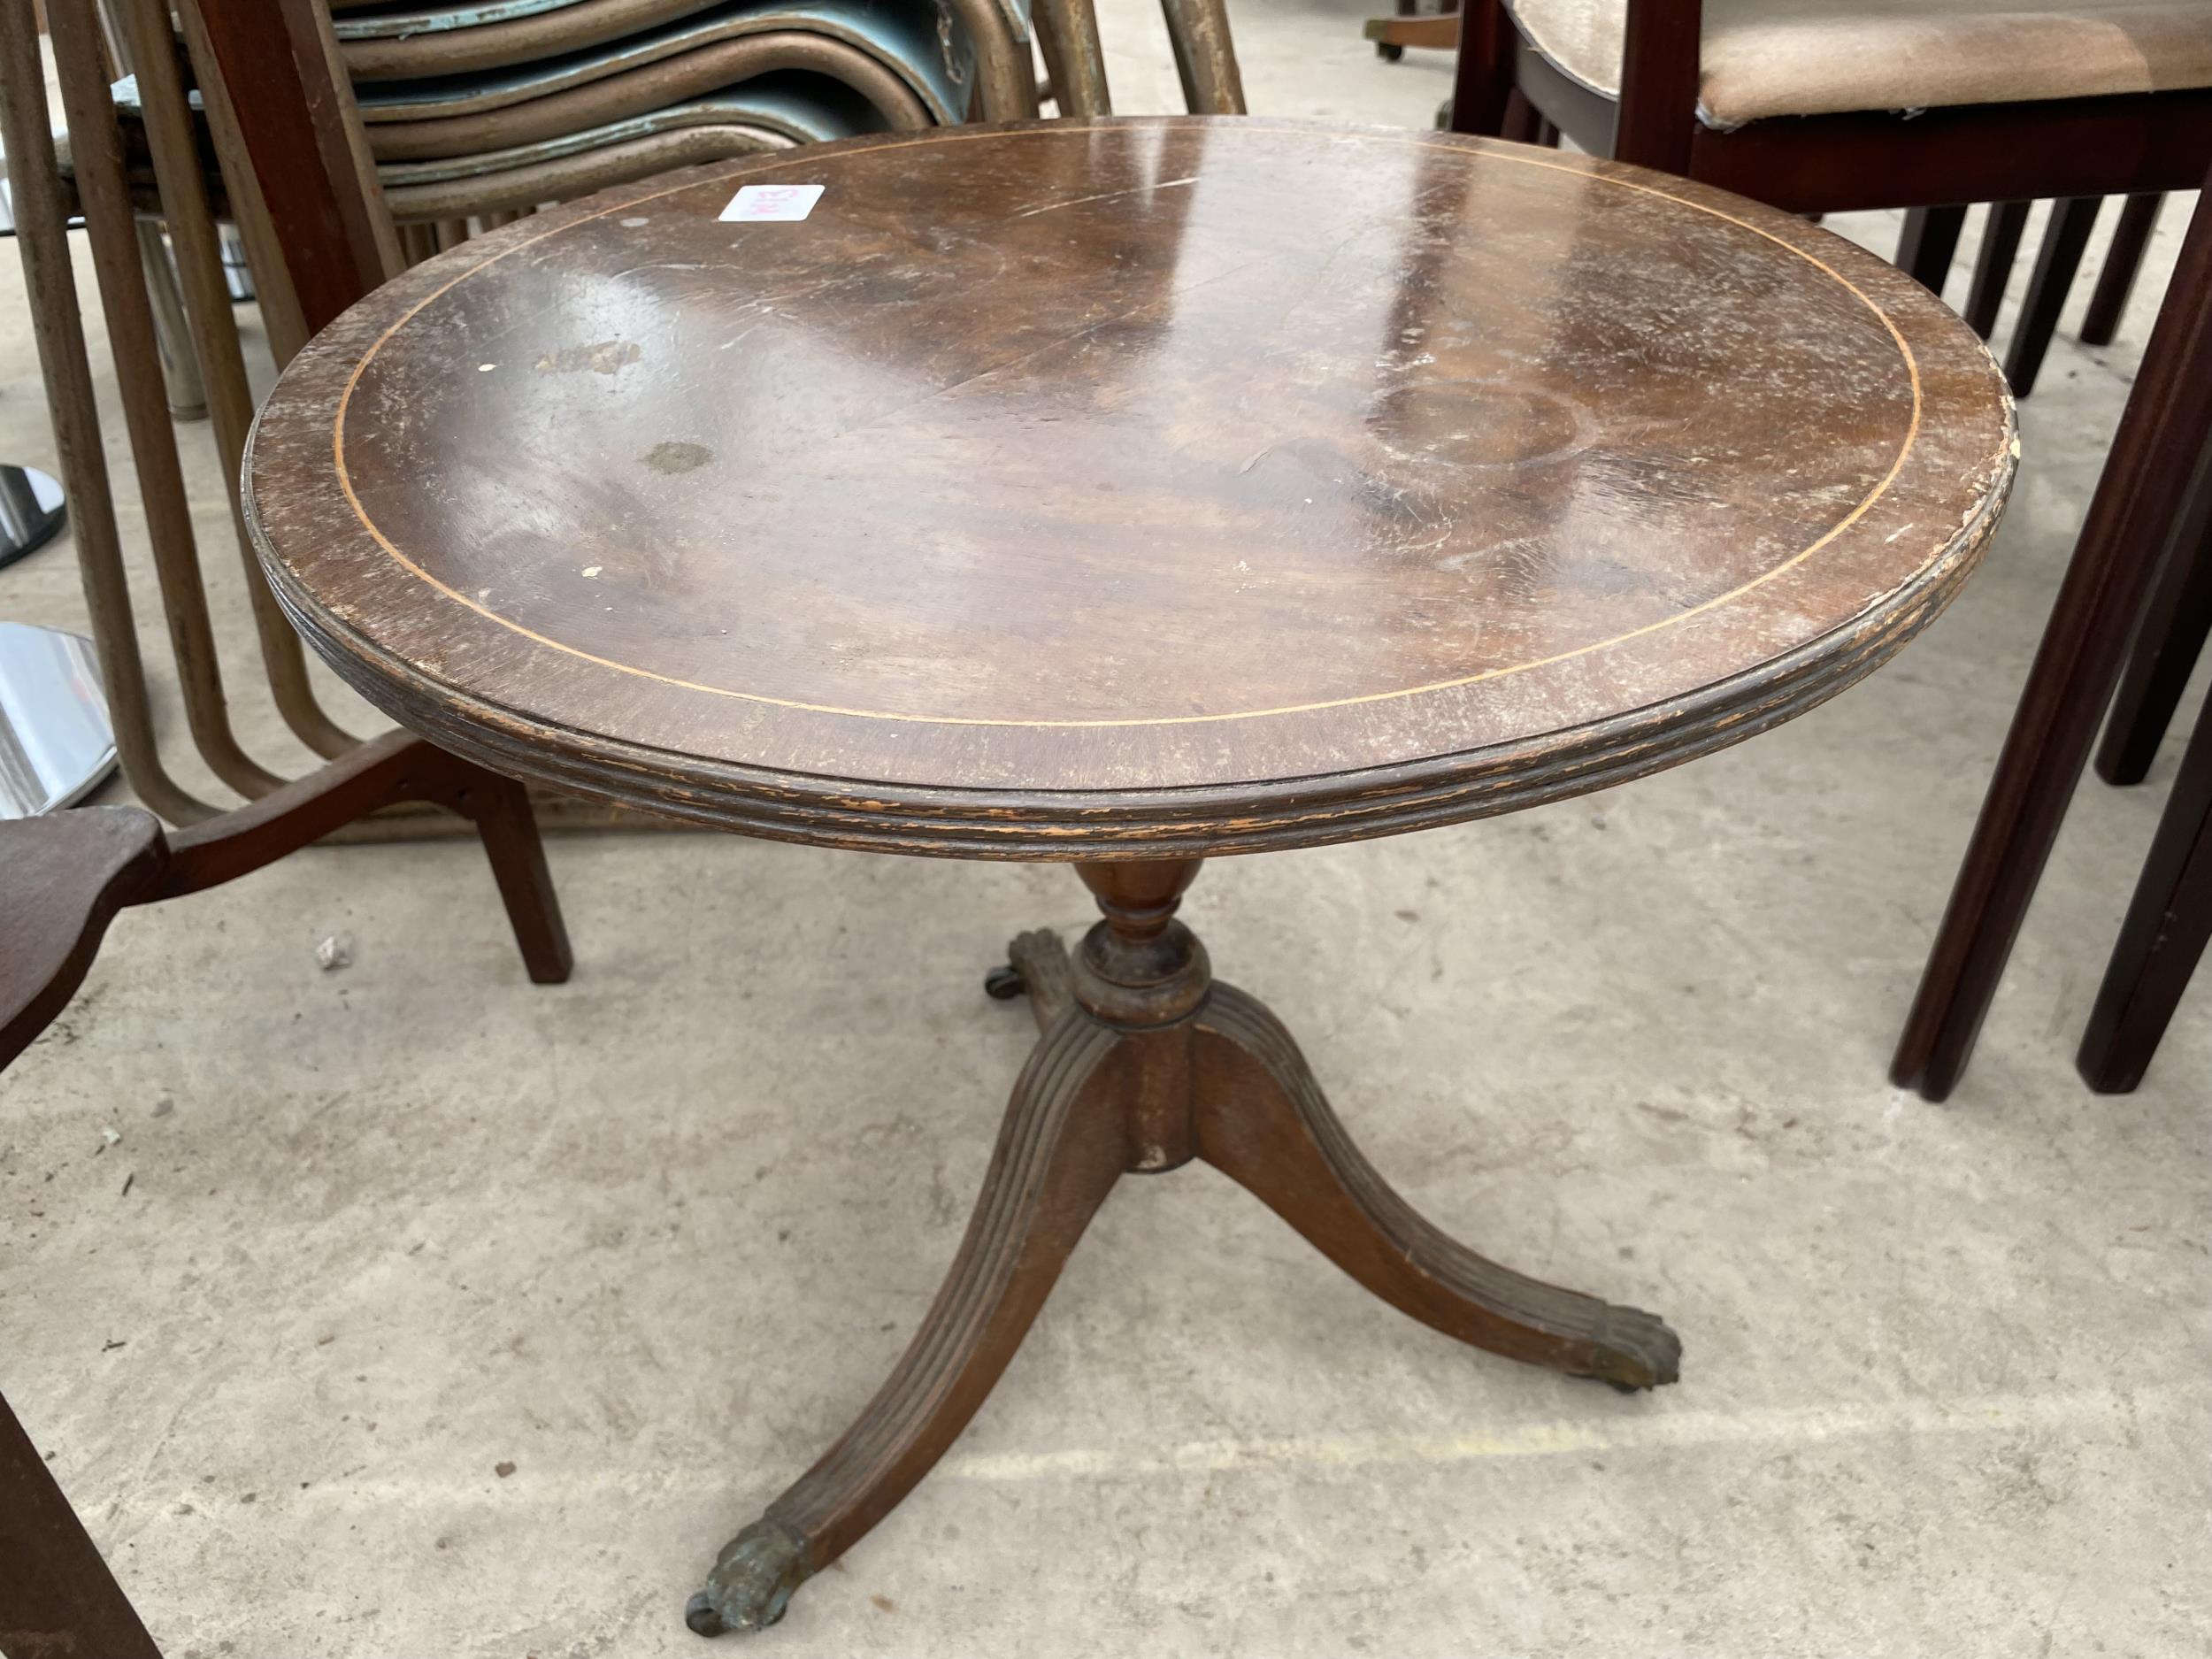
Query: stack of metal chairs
[455,117]
[481,109]
[476,111]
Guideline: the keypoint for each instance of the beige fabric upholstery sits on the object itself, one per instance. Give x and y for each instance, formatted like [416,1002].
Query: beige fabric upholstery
[1766,57]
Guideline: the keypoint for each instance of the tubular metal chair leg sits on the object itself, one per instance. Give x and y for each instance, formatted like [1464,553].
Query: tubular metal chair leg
[1205,57]
[1075,62]
[180,364]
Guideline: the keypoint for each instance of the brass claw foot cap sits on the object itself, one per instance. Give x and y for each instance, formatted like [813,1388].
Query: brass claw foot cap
[1635,1350]
[752,1580]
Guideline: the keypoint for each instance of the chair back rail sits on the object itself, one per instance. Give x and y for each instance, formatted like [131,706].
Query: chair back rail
[43,239]
[96,152]
[215,334]
[326,213]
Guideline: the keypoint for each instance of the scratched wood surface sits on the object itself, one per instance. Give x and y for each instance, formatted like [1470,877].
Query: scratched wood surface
[1129,488]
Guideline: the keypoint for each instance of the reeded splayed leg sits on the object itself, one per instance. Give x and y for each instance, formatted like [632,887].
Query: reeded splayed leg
[1060,1148]
[1145,1064]
[1263,1121]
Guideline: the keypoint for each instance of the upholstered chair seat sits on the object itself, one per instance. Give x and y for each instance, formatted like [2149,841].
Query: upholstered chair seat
[1762,58]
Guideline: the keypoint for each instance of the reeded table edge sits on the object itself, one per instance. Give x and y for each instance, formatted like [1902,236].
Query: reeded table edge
[1252,815]
[1240,816]
[619,199]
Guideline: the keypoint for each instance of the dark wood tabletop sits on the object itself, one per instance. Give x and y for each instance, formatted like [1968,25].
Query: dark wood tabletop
[1127,489]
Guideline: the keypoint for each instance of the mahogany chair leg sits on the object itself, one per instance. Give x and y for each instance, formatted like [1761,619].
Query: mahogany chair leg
[57,1594]
[1656,122]
[1264,1123]
[2063,244]
[2146,479]
[2168,642]
[1482,79]
[1521,121]
[1061,1147]
[1993,264]
[500,808]
[2109,298]
[2162,939]
[1930,244]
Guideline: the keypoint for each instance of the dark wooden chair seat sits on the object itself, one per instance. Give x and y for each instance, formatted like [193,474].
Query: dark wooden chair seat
[63,877]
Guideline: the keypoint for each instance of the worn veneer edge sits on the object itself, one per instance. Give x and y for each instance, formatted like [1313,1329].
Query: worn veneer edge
[1228,818]
[1602,172]
[1221,818]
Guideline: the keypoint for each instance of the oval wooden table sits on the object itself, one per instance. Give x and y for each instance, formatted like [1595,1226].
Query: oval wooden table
[1130,492]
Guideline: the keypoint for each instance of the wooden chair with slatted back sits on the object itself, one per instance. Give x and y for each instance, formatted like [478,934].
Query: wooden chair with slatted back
[309,179]
[64,877]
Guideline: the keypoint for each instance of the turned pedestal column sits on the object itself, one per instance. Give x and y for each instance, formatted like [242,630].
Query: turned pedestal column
[1146,1062]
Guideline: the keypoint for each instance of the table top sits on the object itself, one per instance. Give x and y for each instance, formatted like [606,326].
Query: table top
[1125,489]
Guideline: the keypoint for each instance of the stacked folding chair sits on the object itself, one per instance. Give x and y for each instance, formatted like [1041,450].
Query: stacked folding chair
[476,112]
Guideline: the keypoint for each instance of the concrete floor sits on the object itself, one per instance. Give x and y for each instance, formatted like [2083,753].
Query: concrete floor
[418,1311]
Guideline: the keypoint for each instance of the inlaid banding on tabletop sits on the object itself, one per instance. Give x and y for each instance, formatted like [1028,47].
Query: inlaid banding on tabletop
[1315,469]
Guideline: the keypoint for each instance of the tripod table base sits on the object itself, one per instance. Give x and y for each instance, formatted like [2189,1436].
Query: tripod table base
[1145,1064]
